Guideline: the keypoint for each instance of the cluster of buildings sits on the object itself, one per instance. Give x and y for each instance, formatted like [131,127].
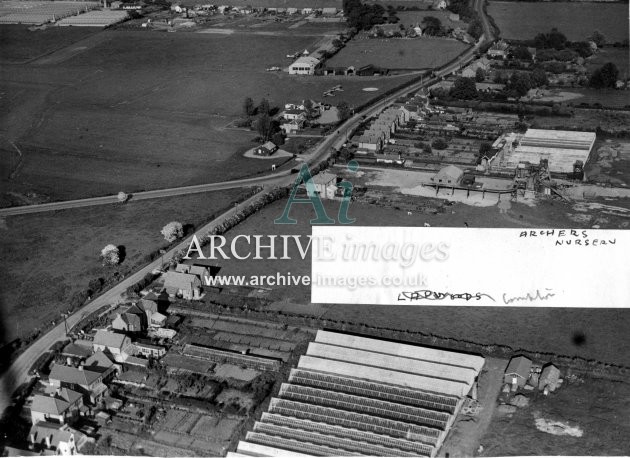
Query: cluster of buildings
[380,130]
[522,374]
[352,395]
[78,385]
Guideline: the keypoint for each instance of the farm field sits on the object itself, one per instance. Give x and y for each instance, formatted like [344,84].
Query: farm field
[607,98]
[577,20]
[551,330]
[599,408]
[411,18]
[110,118]
[18,44]
[278,3]
[48,257]
[396,53]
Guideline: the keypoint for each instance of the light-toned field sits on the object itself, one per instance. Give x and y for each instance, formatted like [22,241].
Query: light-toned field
[411,18]
[577,20]
[397,53]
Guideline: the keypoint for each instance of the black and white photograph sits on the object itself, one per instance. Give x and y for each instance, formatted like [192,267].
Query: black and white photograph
[290,228]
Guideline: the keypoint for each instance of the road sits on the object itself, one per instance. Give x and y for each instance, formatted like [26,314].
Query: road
[18,372]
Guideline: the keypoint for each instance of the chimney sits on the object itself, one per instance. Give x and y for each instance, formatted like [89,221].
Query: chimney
[47,441]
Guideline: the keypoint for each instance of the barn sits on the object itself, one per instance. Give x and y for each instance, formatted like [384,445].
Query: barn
[357,395]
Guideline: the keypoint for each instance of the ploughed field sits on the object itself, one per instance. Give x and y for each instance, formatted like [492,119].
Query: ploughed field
[138,110]
[577,20]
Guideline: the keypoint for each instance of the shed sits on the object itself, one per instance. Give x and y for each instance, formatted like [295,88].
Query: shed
[267,149]
[448,175]
[549,378]
[517,372]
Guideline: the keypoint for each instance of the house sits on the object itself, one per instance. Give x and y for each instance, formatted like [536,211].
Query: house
[62,440]
[517,372]
[101,362]
[83,380]
[448,175]
[266,149]
[293,114]
[307,10]
[292,10]
[157,320]
[304,65]
[439,4]
[180,284]
[329,11]
[61,406]
[324,185]
[118,345]
[293,126]
[417,30]
[193,269]
[498,50]
[128,322]
[370,143]
[76,351]
[149,350]
[115,5]
[471,70]
[549,378]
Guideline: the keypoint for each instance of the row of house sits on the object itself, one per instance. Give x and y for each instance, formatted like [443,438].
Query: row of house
[379,132]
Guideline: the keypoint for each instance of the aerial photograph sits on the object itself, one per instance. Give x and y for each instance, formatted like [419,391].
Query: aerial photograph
[280,228]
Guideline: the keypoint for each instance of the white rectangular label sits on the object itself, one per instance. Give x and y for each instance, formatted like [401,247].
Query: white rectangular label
[466,266]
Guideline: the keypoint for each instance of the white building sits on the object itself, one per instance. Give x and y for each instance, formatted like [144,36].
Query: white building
[304,65]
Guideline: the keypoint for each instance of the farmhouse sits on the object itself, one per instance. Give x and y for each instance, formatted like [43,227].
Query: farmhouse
[293,114]
[293,126]
[266,149]
[49,438]
[517,372]
[304,65]
[354,395]
[565,151]
[471,70]
[448,175]
[85,381]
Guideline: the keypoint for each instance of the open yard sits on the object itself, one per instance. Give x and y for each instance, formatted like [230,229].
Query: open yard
[542,329]
[109,117]
[598,409]
[397,53]
[577,20]
[48,257]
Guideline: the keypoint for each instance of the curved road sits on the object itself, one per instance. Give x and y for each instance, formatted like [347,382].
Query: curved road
[18,372]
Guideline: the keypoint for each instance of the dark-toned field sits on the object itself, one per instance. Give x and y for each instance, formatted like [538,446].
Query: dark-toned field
[48,257]
[396,53]
[590,333]
[577,20]
[142,110]
[599,408]
[619,56]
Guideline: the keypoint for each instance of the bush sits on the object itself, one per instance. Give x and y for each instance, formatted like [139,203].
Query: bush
[439,143]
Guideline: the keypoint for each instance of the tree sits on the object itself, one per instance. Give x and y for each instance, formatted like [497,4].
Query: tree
[439,143]
[480,75]
[278,139]
[484,148]
[554,39]
[264,107]
[520,83]
[343,111]
[431,25]
[598,38]
[337,43]
[110,255]
[123,197]
[248,107]
[521,53]
[500,78]
[539,77]
[173,231]
[464,88]
[264,125]
[475,29]
[426,148]
[604,77]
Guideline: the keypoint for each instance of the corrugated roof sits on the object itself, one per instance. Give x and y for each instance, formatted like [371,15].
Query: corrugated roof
[384,375]
[452,358]
[519,365]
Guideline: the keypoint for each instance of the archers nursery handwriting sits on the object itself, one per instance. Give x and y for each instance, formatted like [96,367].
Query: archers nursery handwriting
[538,296]
[428,295]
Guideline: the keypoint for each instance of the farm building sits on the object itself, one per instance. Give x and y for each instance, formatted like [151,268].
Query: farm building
[266,149]
[563,149]
[498,50]
[517,372]
[448,175]
[352,395]
[325,185]
[304,65]
[329,11]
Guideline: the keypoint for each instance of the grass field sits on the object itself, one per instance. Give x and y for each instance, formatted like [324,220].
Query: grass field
[112,118]
[599,408]
[539,329]
[577,20]
[396,53]
[619,56]
[48,257]
[411,18]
